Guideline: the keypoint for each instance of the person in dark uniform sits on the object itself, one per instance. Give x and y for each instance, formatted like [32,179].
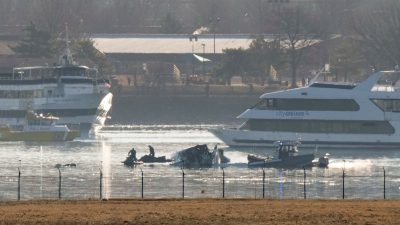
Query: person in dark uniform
[151,150]
[132,154]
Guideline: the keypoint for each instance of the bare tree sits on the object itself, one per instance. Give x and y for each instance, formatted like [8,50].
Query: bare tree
[347,59]
[300,30]
[129,15]
[146,16]
[379,30]
[16,12]
[52,15]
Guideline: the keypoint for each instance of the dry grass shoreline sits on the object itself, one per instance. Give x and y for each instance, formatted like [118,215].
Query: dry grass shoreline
[202,211]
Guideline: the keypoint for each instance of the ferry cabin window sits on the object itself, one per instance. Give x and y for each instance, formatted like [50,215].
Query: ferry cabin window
[308,104]
[20,94]
[387,105]
[39,122]
[319,126]
[12,113]
[266,104]
[70,71]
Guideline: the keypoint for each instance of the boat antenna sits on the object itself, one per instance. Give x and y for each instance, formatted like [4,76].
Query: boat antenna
[66,58]
[315,78]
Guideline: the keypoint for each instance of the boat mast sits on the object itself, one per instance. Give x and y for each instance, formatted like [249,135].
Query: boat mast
[66,59]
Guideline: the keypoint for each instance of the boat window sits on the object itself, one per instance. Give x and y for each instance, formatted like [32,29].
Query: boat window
[70,71]
[266,104]
[388,82]
[308,104]
[387,105]
[68,112]
[39,122]
[261,105]
[336,86]
[320,126]
[20,94]
[12,114]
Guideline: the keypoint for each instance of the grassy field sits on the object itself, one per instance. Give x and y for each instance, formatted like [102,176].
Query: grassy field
[203,211]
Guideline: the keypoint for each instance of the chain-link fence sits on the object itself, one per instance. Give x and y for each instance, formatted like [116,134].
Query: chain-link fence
[208,183]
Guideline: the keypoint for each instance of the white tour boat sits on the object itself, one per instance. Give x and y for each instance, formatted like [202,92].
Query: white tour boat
[325,114]
[73,93]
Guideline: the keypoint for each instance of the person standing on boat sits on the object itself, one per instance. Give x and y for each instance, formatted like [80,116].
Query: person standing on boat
[132,154]
[151,150]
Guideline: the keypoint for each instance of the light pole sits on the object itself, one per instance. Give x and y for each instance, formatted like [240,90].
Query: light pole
[214,22]
[204,54]
[192,38]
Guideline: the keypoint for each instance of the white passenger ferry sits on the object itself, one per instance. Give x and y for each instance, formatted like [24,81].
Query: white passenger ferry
[71,92]
[325,114]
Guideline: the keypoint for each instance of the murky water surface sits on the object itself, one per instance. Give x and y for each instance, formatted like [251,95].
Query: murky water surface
[100,173]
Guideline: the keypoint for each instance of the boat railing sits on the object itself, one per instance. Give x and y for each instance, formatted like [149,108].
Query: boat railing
[385,88]
[287,143]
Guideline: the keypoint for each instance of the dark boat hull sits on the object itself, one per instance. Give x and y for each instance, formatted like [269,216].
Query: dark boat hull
[129,161]
[298,161]
[152,159]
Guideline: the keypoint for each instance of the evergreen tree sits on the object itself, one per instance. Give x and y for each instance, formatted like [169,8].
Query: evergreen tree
[36,43]
[234,63]
[262,54]
[254,61]
[84,48]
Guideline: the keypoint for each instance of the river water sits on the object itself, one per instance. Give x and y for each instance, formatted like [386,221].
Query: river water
[369,173]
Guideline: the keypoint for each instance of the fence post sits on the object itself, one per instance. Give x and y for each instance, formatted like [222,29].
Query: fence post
[101,184]
[59,183]
[263,184]
[304,184]
[384,183]
[142,183]
[183,183]
[343,185]
[19,184]
[223,183]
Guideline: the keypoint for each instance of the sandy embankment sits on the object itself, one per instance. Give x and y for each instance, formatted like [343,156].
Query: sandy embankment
[203,211]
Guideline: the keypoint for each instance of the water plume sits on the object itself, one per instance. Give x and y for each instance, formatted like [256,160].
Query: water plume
[201,30]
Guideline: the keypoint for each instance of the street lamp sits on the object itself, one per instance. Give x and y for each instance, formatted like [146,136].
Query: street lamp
[192,38]
[203,59]
[214,28]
